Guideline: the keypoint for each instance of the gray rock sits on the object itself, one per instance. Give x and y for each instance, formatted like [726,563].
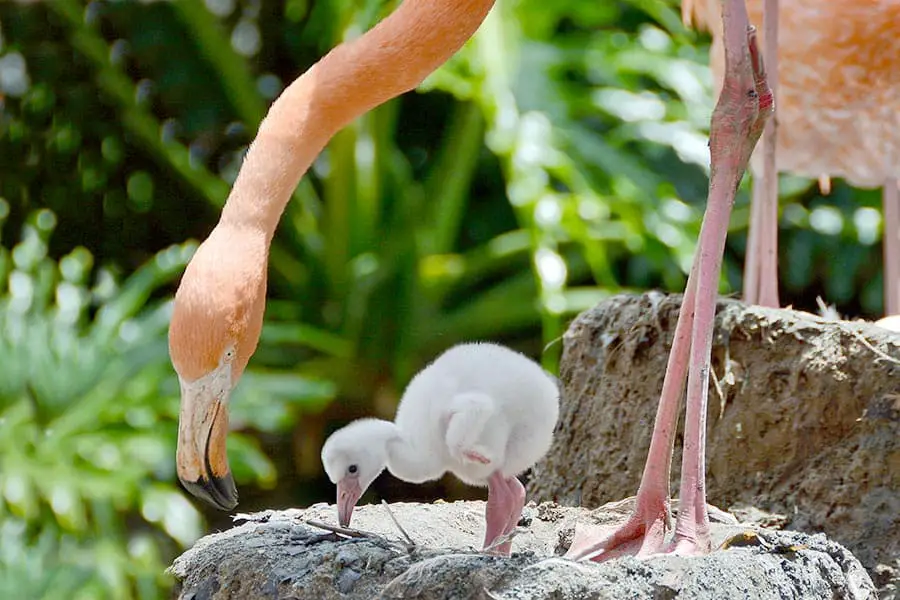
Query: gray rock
[276,555]
[803,421]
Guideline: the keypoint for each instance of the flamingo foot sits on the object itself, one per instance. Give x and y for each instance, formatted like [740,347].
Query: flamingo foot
[642,535]
[685,547]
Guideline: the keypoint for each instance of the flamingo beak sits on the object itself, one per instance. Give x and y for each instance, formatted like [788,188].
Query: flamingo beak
[202,462]
[348,493]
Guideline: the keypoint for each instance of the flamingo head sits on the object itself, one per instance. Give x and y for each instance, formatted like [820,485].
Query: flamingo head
[215,328]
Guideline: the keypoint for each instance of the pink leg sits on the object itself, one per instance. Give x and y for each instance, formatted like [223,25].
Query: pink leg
[761,266]
[891,203]
[651,513]
[768,276]
[506,498]
[754,251]
[517,494]
[744,105]
[761,262]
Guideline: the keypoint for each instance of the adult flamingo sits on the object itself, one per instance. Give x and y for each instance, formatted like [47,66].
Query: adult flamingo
[220,303]
[839,115]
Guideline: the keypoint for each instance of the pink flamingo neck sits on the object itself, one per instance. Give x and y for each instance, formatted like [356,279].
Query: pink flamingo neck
[390,59]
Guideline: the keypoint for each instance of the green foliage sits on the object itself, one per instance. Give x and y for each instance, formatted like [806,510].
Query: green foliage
[588,164]
[88,499]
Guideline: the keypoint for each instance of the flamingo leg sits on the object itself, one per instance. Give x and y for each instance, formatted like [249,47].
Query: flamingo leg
[761,266]
[891,202]
[746,102]
[647,525]
[506,498]
[754,251]
[516,504]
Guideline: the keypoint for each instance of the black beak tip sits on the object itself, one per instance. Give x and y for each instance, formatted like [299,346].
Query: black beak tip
[218,492]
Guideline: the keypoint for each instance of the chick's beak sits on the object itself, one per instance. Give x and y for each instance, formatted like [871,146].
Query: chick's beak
[348,493]
[201,458]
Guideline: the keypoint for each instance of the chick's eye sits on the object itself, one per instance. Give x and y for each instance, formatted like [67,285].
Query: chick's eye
[352,469]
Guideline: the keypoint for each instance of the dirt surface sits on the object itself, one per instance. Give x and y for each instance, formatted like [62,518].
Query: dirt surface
[804,419]
[275,555]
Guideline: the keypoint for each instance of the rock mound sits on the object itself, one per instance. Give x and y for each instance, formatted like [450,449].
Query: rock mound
[277,555]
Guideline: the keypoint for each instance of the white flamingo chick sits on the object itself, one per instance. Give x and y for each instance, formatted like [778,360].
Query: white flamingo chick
[481,411]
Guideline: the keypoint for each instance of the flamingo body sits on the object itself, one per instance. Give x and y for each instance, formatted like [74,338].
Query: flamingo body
[839,85]
[838,88]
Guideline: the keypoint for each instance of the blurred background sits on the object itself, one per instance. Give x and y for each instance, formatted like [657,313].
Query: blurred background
[559,158]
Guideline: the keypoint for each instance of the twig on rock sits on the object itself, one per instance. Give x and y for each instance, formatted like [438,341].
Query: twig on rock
[861,338]
[352,533]
[410,544]
[826,311]
[357,534]
[503,539]
[718,387]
